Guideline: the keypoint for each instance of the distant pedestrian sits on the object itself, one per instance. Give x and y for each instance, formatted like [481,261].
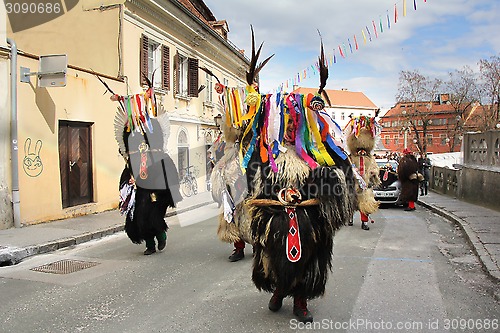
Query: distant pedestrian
[424,166]
[408,176]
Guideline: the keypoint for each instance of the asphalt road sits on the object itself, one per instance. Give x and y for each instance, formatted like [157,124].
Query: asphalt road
[412,272]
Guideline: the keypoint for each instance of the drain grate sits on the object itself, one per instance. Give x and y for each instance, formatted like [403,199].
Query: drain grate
[65,266]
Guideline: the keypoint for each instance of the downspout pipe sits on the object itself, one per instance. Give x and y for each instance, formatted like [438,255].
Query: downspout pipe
[13,134]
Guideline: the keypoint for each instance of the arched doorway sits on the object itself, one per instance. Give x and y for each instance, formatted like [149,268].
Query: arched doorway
[182,151]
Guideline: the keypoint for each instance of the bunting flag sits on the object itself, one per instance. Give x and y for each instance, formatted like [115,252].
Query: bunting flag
[369,34]
[366,34]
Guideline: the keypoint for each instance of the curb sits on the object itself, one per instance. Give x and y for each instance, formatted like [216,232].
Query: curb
[486,261]
[13,255]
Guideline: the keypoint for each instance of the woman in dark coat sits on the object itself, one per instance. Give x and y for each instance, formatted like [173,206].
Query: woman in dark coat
[408,176]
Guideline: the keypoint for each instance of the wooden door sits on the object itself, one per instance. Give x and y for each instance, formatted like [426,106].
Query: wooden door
[75,163]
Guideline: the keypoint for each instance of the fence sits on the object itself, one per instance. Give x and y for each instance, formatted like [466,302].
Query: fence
[478,179]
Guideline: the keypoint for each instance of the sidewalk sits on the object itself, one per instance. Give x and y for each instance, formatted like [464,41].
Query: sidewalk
[480,225]
[19,243]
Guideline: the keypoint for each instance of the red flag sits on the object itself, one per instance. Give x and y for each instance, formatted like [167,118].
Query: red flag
[341,53]
[375,29]
[395,14]
[355,42]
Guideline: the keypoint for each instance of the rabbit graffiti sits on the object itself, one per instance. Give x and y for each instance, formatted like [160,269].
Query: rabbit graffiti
[32,162]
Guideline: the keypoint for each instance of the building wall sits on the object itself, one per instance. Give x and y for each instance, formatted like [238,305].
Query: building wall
[6,219]
[90,39]
[105,40]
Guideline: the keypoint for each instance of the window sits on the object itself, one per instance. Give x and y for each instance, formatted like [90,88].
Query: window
[443,139]
[342,116]
[209,88]
[387,140]
[154,58]
[429,139]
[185,76]
[396,140]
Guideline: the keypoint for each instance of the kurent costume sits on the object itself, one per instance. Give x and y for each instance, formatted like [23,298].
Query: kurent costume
[300,189]
[149,184]
[409,178]
[361,133]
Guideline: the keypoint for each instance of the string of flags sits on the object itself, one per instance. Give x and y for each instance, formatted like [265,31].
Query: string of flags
[369,33]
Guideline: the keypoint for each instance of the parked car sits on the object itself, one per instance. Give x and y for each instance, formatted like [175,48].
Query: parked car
[389,190]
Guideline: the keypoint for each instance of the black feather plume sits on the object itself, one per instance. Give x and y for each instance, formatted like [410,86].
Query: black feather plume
[104,83]
[323,72]
[209,72]
[254,68]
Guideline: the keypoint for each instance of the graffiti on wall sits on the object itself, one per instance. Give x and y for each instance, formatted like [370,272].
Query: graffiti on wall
[32,163]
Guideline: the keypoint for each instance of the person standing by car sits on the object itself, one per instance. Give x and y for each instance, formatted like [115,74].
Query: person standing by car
[424,166]
[408,176]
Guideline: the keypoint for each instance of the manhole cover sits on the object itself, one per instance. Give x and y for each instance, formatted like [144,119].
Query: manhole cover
[65,266]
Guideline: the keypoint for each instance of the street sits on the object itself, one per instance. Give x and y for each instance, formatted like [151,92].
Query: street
[411,272]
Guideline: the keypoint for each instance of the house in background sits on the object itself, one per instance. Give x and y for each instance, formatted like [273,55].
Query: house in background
[403,125]
[68,131]
[345,104]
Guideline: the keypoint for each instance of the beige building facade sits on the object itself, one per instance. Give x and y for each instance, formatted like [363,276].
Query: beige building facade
[69,163]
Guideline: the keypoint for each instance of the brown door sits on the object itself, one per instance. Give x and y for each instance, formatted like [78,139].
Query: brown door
[75,163]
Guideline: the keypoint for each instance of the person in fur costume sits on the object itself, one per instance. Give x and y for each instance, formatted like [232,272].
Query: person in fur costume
[294,236]
[157,187]
[149,183]
[361,133]
[229,186]
[299,195]
[409,177]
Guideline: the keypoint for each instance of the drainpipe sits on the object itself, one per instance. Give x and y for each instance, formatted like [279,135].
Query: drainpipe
[13,133]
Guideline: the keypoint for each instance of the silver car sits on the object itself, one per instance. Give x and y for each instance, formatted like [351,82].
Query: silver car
[389,190]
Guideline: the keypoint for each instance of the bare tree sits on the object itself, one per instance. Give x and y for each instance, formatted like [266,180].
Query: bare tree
[490,92]
[418,93]
[462,85]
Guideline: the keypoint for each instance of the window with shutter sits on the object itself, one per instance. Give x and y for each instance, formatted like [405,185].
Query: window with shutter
[143,56]
[193,77]
[165,65]
[176,74]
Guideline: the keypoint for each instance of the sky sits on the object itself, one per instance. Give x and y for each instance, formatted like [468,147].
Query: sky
[439,37]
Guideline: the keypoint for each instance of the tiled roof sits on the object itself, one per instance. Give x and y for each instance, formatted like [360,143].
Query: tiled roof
[343,98]
[206,16]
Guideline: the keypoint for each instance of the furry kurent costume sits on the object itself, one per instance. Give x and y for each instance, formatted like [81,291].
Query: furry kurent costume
[300,190]
[409,178]
[361,133]
[149,183]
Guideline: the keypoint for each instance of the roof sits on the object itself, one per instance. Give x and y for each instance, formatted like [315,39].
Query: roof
[200,9]
[342,98]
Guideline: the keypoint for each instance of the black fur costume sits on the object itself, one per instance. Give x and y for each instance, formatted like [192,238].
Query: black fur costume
[334,191]
[157,190]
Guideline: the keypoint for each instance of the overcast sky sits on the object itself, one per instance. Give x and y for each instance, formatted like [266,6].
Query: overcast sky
[438,37]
